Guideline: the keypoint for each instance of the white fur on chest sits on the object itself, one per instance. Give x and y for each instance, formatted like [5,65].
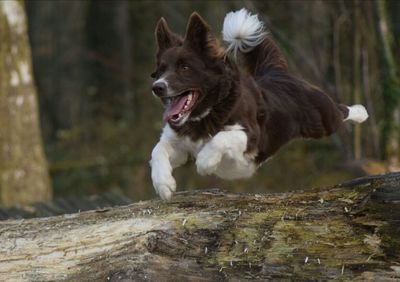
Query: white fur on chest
[182,145]
[226,149]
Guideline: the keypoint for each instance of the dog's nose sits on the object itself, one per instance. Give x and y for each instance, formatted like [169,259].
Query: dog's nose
[160,88]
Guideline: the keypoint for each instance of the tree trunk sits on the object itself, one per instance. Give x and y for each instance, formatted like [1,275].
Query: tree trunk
[23,169]
[356,77]
[122,26]
[60,63]
[347,232]
[391,90]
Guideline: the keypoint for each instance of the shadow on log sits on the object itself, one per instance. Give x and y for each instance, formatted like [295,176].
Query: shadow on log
[347,232]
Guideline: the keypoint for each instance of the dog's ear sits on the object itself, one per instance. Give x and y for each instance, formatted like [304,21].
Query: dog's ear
[165,38]
[199,37]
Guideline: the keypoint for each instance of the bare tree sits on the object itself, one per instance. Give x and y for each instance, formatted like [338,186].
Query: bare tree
[23,170]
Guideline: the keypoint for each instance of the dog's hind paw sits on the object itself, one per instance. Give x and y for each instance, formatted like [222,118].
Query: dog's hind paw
[208,160]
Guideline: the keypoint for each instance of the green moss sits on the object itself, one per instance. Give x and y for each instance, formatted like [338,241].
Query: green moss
[195,221]
[300,244]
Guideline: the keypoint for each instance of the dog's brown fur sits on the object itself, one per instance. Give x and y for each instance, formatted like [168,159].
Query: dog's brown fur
[270,104]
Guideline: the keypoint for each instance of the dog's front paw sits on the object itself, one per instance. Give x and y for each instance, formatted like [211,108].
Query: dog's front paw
[208,160]
[164,185]
[165,191]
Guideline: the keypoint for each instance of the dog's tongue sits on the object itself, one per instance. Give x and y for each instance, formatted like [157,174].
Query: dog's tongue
[175,107]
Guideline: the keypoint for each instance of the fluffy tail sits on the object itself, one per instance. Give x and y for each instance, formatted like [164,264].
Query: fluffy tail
[245,33]
[242,31]
[356,113]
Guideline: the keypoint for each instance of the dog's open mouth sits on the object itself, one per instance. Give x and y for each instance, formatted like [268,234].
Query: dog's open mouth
[180,106]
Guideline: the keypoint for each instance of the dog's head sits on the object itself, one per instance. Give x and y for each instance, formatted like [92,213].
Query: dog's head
[188,72]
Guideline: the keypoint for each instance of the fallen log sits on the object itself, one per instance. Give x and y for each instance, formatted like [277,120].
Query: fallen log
[347,232]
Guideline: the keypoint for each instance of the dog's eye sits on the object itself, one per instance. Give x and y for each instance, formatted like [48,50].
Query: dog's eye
[185,68]
[153,75]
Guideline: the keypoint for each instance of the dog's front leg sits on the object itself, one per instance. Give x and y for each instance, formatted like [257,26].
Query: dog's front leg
[163,159]
[230,143]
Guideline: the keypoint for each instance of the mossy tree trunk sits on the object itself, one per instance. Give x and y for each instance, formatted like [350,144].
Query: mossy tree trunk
[23,171]
[348,232]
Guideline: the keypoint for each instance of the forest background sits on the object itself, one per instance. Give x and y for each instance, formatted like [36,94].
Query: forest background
[77,115]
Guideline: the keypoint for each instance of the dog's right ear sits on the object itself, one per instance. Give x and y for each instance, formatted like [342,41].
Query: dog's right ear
[165,38]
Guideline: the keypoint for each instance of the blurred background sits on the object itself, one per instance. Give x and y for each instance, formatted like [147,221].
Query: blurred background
[91,122]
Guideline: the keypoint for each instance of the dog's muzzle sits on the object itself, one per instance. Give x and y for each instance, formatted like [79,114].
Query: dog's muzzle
[160,89]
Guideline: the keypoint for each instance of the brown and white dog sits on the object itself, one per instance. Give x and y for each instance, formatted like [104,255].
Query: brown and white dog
[232,119]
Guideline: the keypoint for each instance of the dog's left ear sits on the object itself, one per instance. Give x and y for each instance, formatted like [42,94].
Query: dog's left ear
[199,37]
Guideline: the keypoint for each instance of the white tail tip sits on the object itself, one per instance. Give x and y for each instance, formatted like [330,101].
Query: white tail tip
[357,113]
[242,31]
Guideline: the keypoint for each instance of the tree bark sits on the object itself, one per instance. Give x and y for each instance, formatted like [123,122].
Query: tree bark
[356,77]
[23,169]
[391,89]
[346,232]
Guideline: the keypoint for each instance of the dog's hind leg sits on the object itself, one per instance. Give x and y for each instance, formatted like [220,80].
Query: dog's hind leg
[322,116]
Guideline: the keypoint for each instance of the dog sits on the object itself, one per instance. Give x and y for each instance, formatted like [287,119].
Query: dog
[232,108]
